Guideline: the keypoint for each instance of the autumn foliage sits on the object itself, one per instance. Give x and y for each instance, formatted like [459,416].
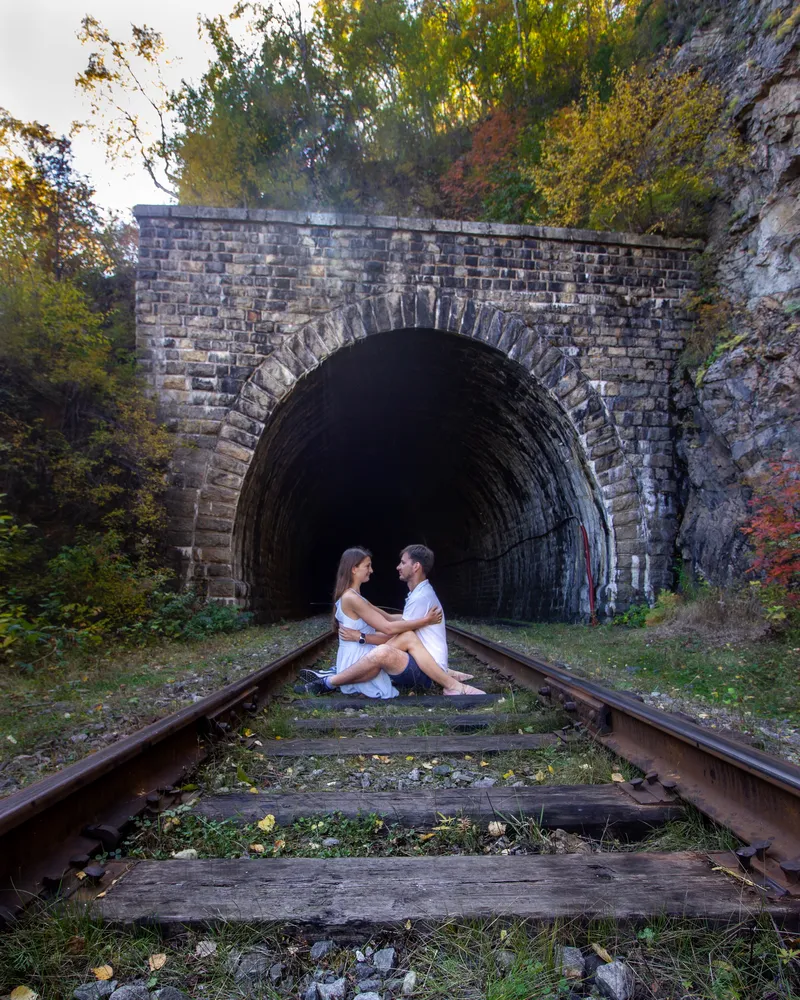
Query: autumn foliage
[650,158]
[774,528]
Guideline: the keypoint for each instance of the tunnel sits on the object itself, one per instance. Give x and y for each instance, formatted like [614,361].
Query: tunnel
[421,436]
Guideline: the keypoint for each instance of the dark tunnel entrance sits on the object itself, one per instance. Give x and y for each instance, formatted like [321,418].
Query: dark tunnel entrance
[421,436]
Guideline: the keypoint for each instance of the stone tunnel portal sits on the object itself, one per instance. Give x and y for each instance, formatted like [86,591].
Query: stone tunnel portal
[421,436]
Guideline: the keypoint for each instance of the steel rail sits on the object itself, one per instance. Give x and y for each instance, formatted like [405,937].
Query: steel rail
[753,794]
[69,815]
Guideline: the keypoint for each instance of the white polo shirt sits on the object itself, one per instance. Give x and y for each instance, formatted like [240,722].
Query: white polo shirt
[433,637]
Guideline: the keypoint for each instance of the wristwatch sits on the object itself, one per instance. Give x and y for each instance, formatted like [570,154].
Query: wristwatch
[362,639]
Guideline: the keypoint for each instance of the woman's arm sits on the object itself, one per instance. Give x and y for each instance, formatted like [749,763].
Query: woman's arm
[371,639]
[357,607]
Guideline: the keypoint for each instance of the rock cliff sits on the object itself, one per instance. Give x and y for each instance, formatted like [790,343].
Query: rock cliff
[742,411]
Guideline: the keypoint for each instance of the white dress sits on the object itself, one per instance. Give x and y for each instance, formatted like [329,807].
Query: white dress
[351,652]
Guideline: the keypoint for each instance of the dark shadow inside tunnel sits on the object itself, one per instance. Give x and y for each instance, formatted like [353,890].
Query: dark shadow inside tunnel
[421,436]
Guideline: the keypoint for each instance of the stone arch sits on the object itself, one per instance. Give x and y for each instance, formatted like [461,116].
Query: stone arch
[619,542]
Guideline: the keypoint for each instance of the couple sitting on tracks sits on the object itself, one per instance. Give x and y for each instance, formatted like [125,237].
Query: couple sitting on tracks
[379,653]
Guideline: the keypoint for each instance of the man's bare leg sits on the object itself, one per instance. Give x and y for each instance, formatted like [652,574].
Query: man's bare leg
[393,658]
[409,642]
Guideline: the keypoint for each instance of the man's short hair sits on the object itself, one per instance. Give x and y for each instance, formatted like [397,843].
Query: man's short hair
[421,554]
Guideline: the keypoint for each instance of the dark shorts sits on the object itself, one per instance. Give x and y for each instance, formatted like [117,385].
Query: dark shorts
[412,676]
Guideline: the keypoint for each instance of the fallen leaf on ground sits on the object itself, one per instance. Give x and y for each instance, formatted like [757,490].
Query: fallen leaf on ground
[258,848]
[496,829]
[467,756]
[503,935]
[103,973]
[253,790]
[76,945]
[205,949]
[426,836]
[248,732]
[539,775]
[509,774]
[22,993]
[484,763]
[188,854]
[409,758]
[157,962]
[616,776]
[267,823]
[551,769]
[600,950]
[427,766]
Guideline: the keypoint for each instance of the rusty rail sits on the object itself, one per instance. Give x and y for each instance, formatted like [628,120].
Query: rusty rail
[66,817]
[59,822]
[753,794]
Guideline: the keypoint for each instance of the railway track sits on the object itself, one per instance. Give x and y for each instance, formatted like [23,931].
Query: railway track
[63,835]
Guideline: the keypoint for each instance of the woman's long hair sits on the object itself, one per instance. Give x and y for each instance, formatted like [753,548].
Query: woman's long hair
[344,574]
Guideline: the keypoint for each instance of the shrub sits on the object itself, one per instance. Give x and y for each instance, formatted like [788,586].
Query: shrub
[650,158]
[634,617]
[774,529]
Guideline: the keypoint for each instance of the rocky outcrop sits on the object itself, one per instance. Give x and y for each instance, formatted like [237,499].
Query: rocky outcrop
[741,412]
[743,415]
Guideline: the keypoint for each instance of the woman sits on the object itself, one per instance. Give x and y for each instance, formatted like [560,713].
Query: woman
[367,668]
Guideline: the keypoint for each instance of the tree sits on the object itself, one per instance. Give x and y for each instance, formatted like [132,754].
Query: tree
[47,212]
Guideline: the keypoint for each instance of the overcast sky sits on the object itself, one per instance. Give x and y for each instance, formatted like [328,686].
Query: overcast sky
[40,57]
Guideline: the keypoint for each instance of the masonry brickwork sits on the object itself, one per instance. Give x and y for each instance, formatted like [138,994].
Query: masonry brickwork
[234,306]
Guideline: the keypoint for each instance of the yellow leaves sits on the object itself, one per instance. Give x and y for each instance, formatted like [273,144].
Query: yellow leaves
[409,758]
[616,776]
[551,769]
[408,925]
[248,732]
[253,790]
[267,824]
[103,973]
[428,766]
[467,756]
[156,962]
[426,836]
[484,763]
[257,848]
[22,993]
[509,774]
[503,935]
[600,950]
[382,758]
[643,158]
[539,776]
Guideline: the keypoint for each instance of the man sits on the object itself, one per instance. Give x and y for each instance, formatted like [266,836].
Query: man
[411,659]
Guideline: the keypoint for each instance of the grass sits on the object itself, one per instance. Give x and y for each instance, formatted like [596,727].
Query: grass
[115,692]
[54,949]
[748,680]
